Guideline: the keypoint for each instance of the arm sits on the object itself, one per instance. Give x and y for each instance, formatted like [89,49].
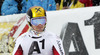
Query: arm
[8,9]
[18,49]
[55,52]
[58,47]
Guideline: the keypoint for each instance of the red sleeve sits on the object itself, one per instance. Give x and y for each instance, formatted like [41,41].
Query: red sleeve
[55,52]
[19,51]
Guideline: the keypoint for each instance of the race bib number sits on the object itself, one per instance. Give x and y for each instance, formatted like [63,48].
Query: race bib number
[35,47]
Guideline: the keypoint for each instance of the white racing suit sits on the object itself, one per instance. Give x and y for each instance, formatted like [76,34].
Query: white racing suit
[45,43]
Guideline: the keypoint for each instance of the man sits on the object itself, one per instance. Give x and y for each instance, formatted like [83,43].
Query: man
[58,4]
[38,41]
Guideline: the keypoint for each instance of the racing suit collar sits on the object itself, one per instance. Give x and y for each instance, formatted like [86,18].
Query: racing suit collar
[35,33]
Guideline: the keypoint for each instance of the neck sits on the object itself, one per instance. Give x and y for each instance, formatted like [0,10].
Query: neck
[35,32]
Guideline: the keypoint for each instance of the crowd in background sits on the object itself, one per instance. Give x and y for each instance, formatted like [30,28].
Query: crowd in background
[9,7]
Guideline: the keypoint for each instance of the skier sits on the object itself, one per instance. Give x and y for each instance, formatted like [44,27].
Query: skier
[38,41]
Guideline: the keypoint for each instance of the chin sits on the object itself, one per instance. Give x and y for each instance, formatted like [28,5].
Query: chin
[39,30]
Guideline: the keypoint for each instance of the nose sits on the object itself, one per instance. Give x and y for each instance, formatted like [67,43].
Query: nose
[40,26]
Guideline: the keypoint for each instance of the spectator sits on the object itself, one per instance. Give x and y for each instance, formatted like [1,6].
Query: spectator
[66,4]
[48,5]
[87,2]
[13,7]
[75,4]
[58,4]
[1,1]
[96,2]
[70,4]
[61,4]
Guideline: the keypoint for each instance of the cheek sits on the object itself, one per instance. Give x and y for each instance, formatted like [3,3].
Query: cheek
[33,27]
[38,27]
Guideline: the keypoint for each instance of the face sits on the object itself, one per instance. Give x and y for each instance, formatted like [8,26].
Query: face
[38,28]
[38,24]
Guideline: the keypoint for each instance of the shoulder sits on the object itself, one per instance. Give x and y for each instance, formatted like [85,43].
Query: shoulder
[51,34]
[21,36]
